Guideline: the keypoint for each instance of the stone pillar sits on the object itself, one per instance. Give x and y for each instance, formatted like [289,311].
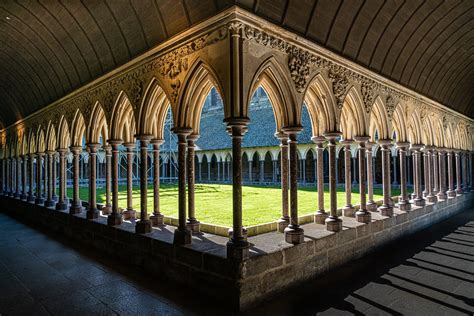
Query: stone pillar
[362,215]
[262,170]
[49,158]
[418,199]
[18,178]
[371,205]
[143,226]
[39,176]
[333,222]
[284,221]
[54,196]
[250,170]
[457,154]
[45,178]
[395,182]
[431,197]
[426,173]
[386,209]
[62,201]
[466,186]
[157,218]
[442,174]
[107,209]
[218,163]
[451,192]
[237,246]
[192,224]
[354,171]
[294,234]
[403,201]
[348,210]
[92,211]
[115,218]
[303,169]
[76,205]
[129,213]
[31,195]
[200,169]
[182,235]
[321,215]
[471,171]
[24,192]
[436,171]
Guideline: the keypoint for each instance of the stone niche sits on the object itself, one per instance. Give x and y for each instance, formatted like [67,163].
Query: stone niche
[273,264]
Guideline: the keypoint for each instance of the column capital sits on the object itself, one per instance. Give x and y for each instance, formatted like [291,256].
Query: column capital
[318,140]
[76,149]
[144,137]
[61,151]
[331,136]
[93,147]
[40,154]
[281,135]
[292,130]
[115,142]
[402,145]
[416,147]
[361,139]
[428,147]
[346,142]
[237,121]
[192,138]
[157,142]
[385,143]
[129,146]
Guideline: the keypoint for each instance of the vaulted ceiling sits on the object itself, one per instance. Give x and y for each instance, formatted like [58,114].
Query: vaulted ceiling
[49,48]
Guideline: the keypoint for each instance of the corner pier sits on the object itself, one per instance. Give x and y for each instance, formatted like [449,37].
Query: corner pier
[273,265]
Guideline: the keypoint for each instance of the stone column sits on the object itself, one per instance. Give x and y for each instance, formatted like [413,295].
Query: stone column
[348,210]
[426,173]
[294,234]
[354,171]
[200,170]
[371,205]
[457,154]
[157,218]
[31,195]
[250,170]
[451,192]
[321,215]
[54,196]
[395,182]
[49,201]
[143,226]
[262,170]
[45,178]
[39,176]
[92,211]
[192,223]
[303,169]
[362,215]
[107,209]
[18,178]
[76,206]
[237,246]
[182,235]
[466,186]
[403,201]
[418,199]
[436,171]
[2,187]
[333,222]
[386,209]
[63,201]
[442,174]
[284,221]
[24,192]
[431,197]
[471,171]
[129,213]
[115,218]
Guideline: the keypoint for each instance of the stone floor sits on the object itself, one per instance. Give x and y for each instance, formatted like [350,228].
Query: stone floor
[431,272]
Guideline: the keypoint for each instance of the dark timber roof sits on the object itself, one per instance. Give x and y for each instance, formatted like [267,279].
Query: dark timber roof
[50,48]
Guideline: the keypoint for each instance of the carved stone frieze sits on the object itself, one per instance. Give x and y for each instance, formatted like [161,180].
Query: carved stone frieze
[340,83]
[368,96]
[390,105]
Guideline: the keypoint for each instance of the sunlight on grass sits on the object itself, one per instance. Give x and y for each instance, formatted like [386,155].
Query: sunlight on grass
[214,201]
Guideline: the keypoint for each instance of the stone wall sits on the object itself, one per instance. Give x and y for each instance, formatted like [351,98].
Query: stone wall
[273,265]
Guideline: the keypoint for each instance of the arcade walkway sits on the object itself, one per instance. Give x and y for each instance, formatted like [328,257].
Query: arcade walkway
[429,273]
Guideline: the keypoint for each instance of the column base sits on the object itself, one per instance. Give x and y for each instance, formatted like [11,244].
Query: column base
[442,195]
[238,250]
[244,233]
[348,211]
[333,224]
[17,195]
[193,226]
[157,220]
[129,214]
[49,203]
[425,194]
[143,227]
[459,192]
[371,206]
[39,201]
[31,199]
[294,235]
[55,198]
[75,209]
[386,210]
[419,202]
[451,193]
[320,217]
[61,206]
[432,199]
[404,205]
[362,216]
[114,219]
[282,224]
[182,237]
[24,197]
[92,213]
[107,210]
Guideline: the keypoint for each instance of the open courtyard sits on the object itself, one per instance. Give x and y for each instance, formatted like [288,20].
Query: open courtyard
[261,204]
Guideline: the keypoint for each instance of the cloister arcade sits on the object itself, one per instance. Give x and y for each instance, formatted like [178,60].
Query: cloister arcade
[348,110]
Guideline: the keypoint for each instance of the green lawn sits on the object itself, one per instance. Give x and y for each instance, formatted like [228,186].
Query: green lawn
[214,201]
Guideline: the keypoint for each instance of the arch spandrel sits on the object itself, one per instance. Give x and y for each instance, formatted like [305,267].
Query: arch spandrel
[123,125]
[153,110]
[321,105]
[78,129]
[379,120]
[399,122]
[64,138]
[40,141]
[97,126]
[353,117]
[51,140]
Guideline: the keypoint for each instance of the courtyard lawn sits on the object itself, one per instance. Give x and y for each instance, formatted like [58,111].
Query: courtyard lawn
[214,201]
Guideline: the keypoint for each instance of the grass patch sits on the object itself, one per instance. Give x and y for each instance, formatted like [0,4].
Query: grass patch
[214,201]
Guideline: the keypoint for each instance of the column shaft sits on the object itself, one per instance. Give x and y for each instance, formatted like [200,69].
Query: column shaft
[285,219]
[333,222]
[62,201]
[403,201]
[92,211]
[192,224]
[348,209]
[39,170]
[115,218]
[386,209]
[157,217]
[371,205]
[143,226]
[362,215]
[321,214]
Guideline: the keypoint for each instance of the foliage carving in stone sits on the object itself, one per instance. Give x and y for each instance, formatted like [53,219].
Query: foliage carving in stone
[390,105]
[339,87]
[299,64]
[368,96]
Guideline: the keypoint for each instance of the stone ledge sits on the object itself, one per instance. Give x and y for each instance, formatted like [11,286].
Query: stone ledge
[273,265]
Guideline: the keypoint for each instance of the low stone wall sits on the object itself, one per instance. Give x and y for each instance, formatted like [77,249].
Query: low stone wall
[273,265]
